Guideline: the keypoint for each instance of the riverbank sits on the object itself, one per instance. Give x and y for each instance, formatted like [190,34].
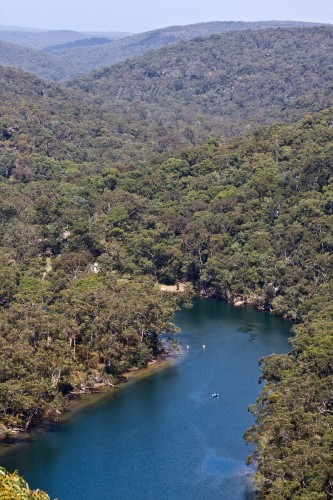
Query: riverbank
[144,425]
[89,394]
[85,399]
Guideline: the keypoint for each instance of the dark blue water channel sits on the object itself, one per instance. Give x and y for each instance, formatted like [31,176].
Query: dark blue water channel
[164,436]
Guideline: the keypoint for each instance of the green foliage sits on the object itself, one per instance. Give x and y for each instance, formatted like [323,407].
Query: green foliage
[35,61]
[124,115]
[92,221]
[13,487]
[220,85]
[61,54]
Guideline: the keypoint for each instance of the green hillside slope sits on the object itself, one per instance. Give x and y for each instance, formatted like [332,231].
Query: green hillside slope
[34,61]
[42,116]
[178,96]
[223,84]
[69,62]
[127,178]
[137,45]
[82,244]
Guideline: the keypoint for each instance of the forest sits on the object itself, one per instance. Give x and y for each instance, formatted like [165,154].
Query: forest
[53,59]
[111,185]
[221,85]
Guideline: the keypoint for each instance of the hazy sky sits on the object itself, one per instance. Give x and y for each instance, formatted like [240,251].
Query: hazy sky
[143,15]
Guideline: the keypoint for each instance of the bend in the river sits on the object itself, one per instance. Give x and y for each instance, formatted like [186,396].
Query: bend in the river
[165,436]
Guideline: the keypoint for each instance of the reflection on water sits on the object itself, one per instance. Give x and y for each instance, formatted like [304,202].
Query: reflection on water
[250,330]
[165,437]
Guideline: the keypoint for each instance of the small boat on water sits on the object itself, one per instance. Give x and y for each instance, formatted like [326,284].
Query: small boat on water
[215,395]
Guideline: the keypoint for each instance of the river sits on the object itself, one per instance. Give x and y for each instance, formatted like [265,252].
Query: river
[164,437]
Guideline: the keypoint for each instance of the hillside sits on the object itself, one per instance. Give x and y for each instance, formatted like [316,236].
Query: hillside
[41,40]
[42,116]
[176,96]
[68,62]
[81,42]
[5,27]
[222,84]
[83,243]
[137,45]
[157,170]
[34,61]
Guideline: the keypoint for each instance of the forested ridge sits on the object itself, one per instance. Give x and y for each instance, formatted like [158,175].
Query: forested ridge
[67,62]
[34,61]
[95,212]
[139,44]
[222,84]
[167,100]
[42,39]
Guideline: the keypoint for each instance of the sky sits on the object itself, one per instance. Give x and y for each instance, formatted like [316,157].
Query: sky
[142,15]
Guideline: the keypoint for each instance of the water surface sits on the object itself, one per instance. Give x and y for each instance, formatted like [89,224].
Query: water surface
[165,437]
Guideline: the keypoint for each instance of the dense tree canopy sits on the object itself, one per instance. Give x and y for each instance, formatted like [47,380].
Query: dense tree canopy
[227,84]
[137,45]
[35,61]
[75,53]
[222,84]
[99,206]
[250,220]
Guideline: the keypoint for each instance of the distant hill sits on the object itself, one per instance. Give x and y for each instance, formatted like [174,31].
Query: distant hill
[82,42]
[104,174]
[114,35]
[4,27]
[176,96]
[38,116]
[108,34]
[222,84]
[95,57]
[34,61]
[41,40]
[72,57]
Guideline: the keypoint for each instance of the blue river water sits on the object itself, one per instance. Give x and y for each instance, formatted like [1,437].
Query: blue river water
[164,436]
